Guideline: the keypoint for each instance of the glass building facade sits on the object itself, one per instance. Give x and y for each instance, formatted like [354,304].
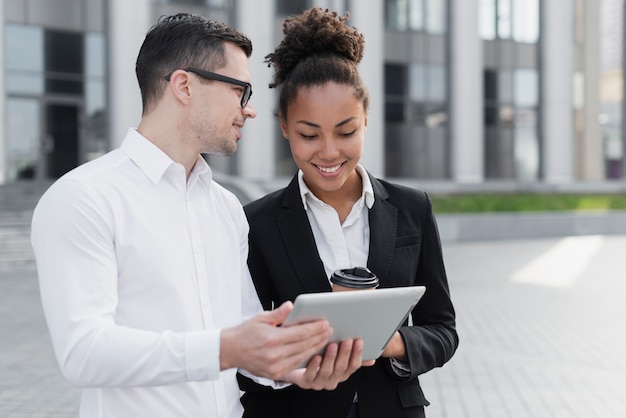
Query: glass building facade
[511,76]
[417,141]
[528,102]
[55,87]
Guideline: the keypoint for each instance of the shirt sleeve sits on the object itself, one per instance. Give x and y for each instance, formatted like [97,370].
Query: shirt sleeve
[400,368]
[74,246]
[251,305]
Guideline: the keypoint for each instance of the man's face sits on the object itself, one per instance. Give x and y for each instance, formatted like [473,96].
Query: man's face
[217,116]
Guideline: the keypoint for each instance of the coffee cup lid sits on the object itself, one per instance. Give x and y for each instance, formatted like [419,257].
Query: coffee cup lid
[357,277]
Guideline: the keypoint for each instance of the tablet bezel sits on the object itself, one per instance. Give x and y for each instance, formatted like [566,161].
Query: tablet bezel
[373,315]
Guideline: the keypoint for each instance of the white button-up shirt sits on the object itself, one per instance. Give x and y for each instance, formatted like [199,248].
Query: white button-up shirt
[343,245]
[139,270]
[340,245]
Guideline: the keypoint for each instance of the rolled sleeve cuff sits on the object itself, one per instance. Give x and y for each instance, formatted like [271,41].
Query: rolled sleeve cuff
[400,368]
[274,384]
[202,355]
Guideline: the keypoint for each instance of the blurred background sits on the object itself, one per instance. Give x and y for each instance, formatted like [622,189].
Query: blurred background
[466,94]
[511,106]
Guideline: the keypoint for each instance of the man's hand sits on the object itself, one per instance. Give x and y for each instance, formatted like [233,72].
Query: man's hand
[338,363]
[261,347]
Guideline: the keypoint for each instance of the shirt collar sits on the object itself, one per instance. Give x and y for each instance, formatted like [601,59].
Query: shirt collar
[368,190]
[154,162]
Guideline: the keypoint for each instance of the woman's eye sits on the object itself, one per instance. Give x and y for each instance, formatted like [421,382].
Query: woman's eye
[347,134]
[307,136]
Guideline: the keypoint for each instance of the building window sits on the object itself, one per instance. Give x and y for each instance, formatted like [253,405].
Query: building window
[24,71]
[95,141]
[429,16]
[509,19]
[416,89]
[291,7]
[210,3]
[510,30]
[416,118]
[56,88]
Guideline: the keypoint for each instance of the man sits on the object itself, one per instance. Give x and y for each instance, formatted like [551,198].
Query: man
[141,256]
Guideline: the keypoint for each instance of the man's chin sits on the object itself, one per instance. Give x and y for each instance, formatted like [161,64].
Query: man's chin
[226,150]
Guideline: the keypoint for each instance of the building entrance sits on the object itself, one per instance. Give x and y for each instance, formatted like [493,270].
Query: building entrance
[43,137]
[61,147]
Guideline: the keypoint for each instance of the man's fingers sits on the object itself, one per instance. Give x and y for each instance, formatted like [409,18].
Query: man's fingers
[300,342]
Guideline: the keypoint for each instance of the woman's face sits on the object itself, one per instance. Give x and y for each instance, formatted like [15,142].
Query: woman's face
[325,127]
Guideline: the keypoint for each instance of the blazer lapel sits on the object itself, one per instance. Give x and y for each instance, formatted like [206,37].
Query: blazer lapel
[383,220]
[299,242]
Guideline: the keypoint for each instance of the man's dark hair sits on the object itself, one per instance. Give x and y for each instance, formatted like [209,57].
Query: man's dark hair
[181,41]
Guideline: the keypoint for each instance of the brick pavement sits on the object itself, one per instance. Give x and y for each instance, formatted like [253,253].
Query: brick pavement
[533,344]
[30,384]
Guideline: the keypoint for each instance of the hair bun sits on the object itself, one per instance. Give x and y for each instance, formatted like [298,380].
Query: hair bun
[315,32]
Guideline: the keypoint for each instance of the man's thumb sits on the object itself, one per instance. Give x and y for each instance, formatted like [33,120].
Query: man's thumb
[278,315]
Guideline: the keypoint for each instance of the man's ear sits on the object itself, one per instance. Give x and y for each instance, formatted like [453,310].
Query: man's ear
[180,86]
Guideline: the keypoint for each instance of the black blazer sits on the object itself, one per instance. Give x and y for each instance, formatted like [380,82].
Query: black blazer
[404,250]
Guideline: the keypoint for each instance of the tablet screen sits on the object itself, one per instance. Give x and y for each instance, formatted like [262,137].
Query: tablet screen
[373,315]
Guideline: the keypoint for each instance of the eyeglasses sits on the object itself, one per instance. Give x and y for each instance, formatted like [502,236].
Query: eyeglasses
[247,87]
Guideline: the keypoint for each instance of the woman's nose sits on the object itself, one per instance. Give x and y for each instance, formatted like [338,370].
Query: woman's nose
[329,149]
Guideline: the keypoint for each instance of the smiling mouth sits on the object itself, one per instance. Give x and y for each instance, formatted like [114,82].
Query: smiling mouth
[237,129]
[329,170]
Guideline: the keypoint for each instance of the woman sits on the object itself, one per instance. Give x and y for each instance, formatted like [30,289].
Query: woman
[335,215]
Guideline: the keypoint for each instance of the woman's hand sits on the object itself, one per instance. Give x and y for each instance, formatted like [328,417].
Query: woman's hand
[395,348]
[338,363]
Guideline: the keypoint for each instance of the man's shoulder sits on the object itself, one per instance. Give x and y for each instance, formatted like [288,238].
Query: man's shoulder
[265,205]
[99,168]
[225,195]
[88,178]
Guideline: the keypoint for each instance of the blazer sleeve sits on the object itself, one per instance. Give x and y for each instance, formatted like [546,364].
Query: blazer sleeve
[432,338]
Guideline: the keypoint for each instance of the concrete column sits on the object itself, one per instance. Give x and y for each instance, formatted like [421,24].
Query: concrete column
[127,25]
[256,150]
[367,16]
[556,90]
[3,99]
[466,92]
[593,146]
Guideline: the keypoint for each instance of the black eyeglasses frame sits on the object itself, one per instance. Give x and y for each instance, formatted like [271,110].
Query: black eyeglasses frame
[209,75]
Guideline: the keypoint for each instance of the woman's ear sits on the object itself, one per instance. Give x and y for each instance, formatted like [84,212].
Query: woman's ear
[283,127]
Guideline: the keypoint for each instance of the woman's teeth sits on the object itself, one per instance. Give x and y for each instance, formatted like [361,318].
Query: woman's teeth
[329,169]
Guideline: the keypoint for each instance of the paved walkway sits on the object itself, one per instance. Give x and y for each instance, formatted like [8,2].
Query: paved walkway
[541,325]
[542,331]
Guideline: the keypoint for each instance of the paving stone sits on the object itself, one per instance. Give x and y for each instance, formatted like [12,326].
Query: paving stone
[528,348]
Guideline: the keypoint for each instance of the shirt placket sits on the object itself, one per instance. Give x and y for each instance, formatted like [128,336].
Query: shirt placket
[202,277]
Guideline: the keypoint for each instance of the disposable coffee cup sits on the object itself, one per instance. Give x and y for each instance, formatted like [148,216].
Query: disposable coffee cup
[357,278]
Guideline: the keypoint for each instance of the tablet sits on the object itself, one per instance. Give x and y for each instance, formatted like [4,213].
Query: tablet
[372,315]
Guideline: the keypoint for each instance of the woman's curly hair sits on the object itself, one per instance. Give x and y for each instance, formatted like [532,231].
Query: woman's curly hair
[318,47]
